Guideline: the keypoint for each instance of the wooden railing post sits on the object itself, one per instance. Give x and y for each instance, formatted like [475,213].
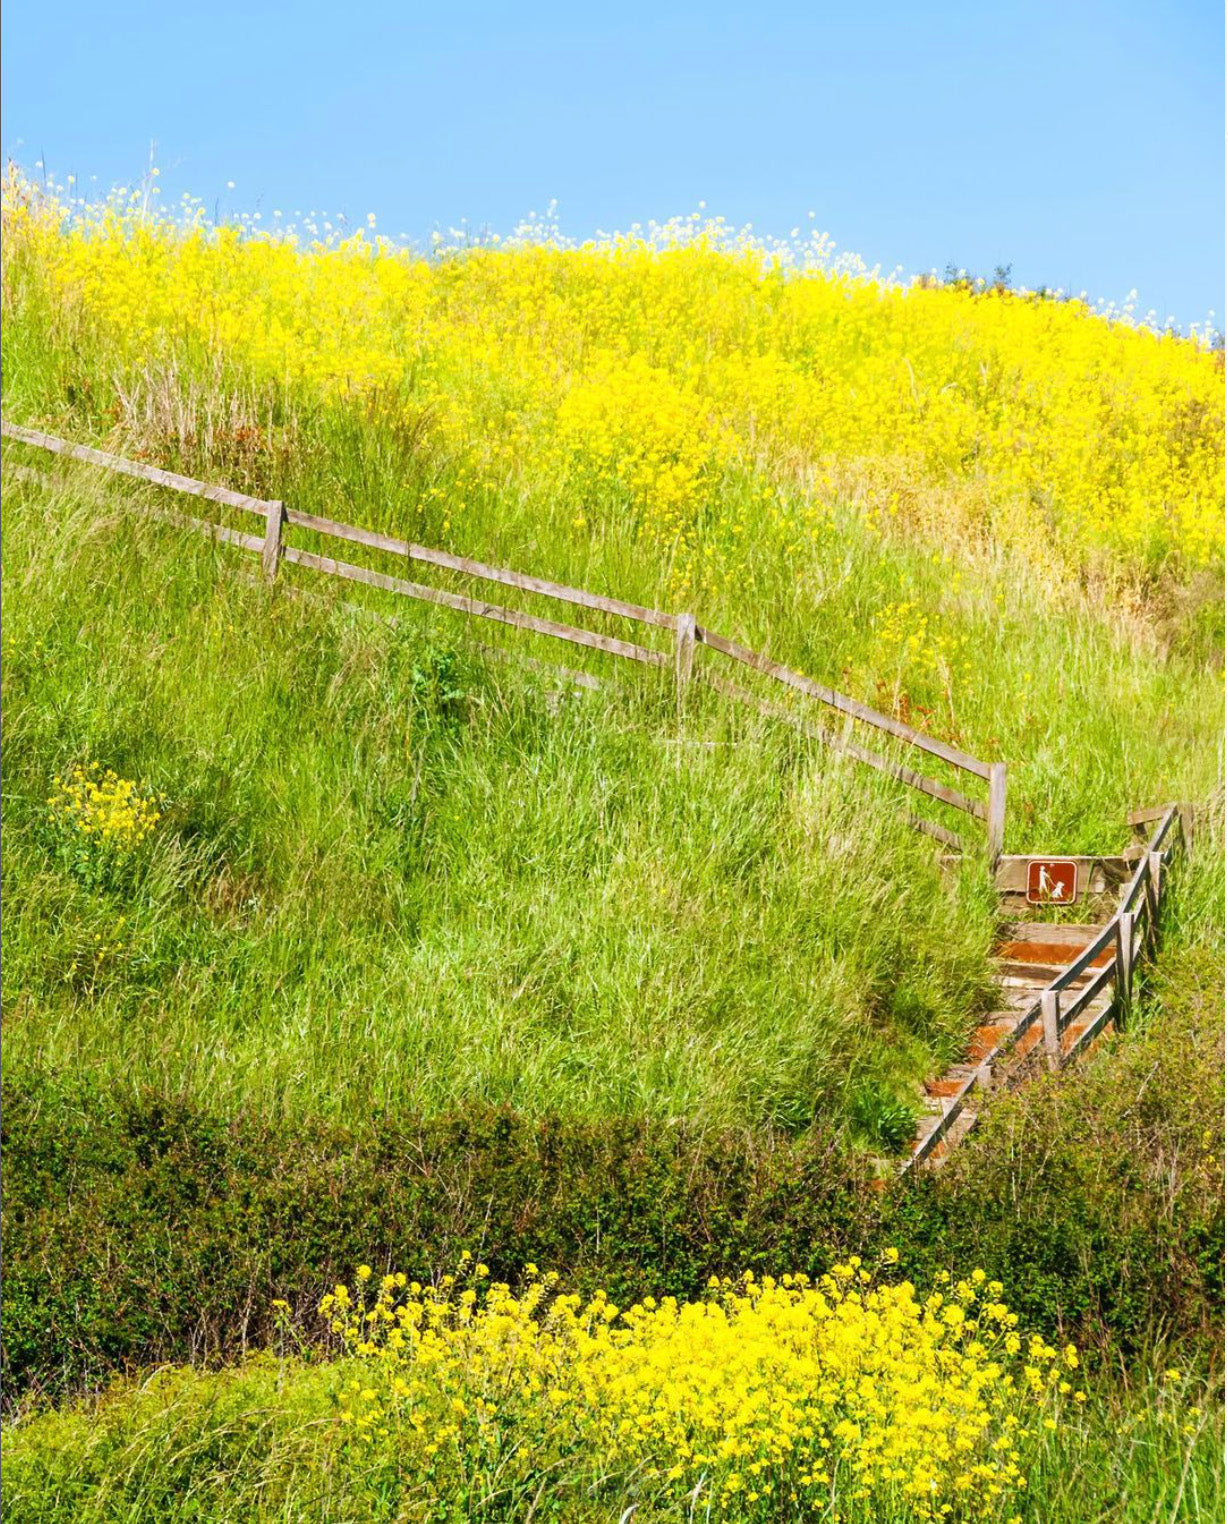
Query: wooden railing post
[996,821]
[684,651]
[1125,960]
[270,556]
[1049,1015]
[1155,868]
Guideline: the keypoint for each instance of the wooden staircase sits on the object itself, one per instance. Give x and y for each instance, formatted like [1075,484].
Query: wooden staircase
[1060,984]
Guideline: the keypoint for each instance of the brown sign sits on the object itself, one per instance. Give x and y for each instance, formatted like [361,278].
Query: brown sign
[1052,881]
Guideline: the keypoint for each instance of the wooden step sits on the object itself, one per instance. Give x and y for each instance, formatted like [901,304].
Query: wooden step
[1039,976]
[987,1039]
[1031,956]
[1028,1041]
[1051,956]
[1068,934]
[958,1079]
[1020,997]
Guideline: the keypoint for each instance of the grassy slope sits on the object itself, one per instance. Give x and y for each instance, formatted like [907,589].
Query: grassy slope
[392,876]
[389,877]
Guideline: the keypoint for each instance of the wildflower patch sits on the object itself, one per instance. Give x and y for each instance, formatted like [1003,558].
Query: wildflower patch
[100,821]
[846,1396]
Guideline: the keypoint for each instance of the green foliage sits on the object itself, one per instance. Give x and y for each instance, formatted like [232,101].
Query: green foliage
[140,1229]
[393,873]
[884,1120]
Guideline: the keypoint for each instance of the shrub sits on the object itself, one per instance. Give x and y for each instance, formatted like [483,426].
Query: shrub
[139,1229]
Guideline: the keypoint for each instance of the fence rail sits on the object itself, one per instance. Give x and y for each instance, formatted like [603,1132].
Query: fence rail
[273,550]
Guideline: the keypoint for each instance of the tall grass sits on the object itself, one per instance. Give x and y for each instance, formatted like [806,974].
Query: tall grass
[392,874]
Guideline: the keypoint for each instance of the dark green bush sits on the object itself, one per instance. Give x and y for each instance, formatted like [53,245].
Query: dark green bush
[139,1230]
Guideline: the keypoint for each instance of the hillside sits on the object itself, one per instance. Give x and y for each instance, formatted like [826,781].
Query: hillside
[330,937]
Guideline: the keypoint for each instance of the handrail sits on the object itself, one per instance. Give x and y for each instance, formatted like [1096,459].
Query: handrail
[480,569]
[108,462]
[1108,934]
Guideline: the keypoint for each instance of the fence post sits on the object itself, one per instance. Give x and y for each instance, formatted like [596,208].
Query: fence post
[1155,867]
[270,556]
[1125,959]
[1122,966]
[1049,1021]
[996,821]
[684,651]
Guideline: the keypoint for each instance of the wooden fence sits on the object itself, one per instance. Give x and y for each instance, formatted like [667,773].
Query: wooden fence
[272,547]
[1132,932]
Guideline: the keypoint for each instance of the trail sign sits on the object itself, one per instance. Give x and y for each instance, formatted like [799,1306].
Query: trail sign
[1052,881]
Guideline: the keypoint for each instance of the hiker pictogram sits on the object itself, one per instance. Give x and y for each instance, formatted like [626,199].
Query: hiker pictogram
[1052,882]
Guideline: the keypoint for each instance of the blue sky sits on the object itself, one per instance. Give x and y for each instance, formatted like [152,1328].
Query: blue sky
[1080,143]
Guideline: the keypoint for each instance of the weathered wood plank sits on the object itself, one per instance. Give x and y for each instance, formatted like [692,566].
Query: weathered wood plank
[569,675]
[952,1108]
[463,605]
[1012,902]
[137,468]
[939,833]
[443,558]
[1125,957]
[1095,875]
[1145,817]
[1171,820]
[849,706]
[996,818]
[684,650]
[1078,966]
[1038,976]
[1134,892]
[1067,932]
[1082,998]
[270,554]
[1155,869]
[1051,1025]
[150,510]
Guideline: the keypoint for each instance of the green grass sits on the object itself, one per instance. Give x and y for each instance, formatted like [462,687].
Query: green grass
[399,884]
[393,874]
[390,877]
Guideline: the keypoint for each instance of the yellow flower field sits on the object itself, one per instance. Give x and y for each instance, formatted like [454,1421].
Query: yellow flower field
[689,387]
